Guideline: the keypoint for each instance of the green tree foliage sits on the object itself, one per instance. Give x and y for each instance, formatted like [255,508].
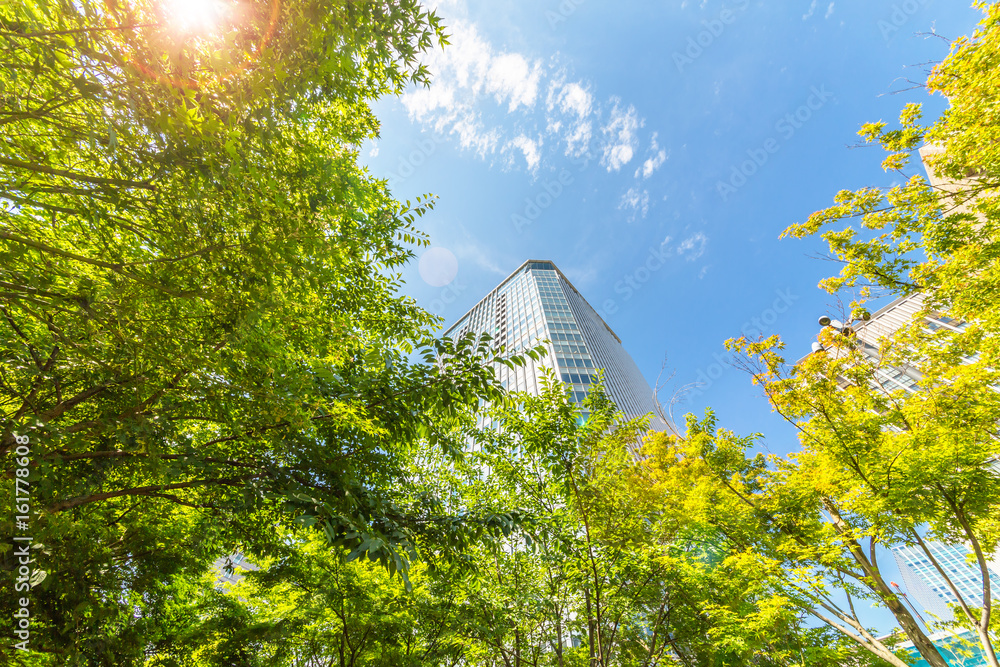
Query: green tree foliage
[755,592]
[780,533]
[940,239]
[201,329]
[614,566]
[612,571]
[882,465]
[572,588]
[308,606]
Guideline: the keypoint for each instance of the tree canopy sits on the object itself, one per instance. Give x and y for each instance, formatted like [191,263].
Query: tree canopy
[202,330]
[206,353]
[882,464]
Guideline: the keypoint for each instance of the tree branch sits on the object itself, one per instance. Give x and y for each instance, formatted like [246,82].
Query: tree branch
[147,491]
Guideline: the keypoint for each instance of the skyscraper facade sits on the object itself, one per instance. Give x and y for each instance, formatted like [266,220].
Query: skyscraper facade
[888,320]
[537,302]
[925,584]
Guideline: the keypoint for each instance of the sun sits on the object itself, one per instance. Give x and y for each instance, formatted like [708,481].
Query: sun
[195,16]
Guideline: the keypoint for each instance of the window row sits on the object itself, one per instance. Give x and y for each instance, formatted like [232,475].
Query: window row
[565,362]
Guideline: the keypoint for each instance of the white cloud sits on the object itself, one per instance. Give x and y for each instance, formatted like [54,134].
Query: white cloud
[636,200]
[374,151]
[620,137]
[653,163]
[572,97]
[704,270]
[468,57]
[829,11]
[472,135]
[812,9]
[488,99]
[578,138]
[570,106]
[464,71]
[421,103]
[512,77]
[529,148]
[692,247]
[473,252]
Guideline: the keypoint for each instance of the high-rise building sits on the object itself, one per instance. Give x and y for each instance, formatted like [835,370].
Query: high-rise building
[925,584]
[238,563]
[537,302]
[959,649]
[885,322]
[534,303]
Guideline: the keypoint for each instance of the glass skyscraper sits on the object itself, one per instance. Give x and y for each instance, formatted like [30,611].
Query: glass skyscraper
[924,585]
[959,649]
[537,302]
[928,587]
[923,582]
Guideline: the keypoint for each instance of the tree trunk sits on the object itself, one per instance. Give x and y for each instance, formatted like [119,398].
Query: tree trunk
[591,630]
[928,651]
[983,626]
[559,644]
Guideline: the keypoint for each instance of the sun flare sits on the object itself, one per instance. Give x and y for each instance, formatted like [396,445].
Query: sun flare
[195,16]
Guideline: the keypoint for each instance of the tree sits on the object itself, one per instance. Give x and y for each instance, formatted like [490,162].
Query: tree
[882,466]
[609,571]
[940,240]
[310,607]
[570,587]
[783,530]
[201,327]
[889,466]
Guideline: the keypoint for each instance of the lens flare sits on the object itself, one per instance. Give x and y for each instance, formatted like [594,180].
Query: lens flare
[195,16]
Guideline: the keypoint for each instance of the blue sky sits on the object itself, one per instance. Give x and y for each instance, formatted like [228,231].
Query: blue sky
[654,152]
